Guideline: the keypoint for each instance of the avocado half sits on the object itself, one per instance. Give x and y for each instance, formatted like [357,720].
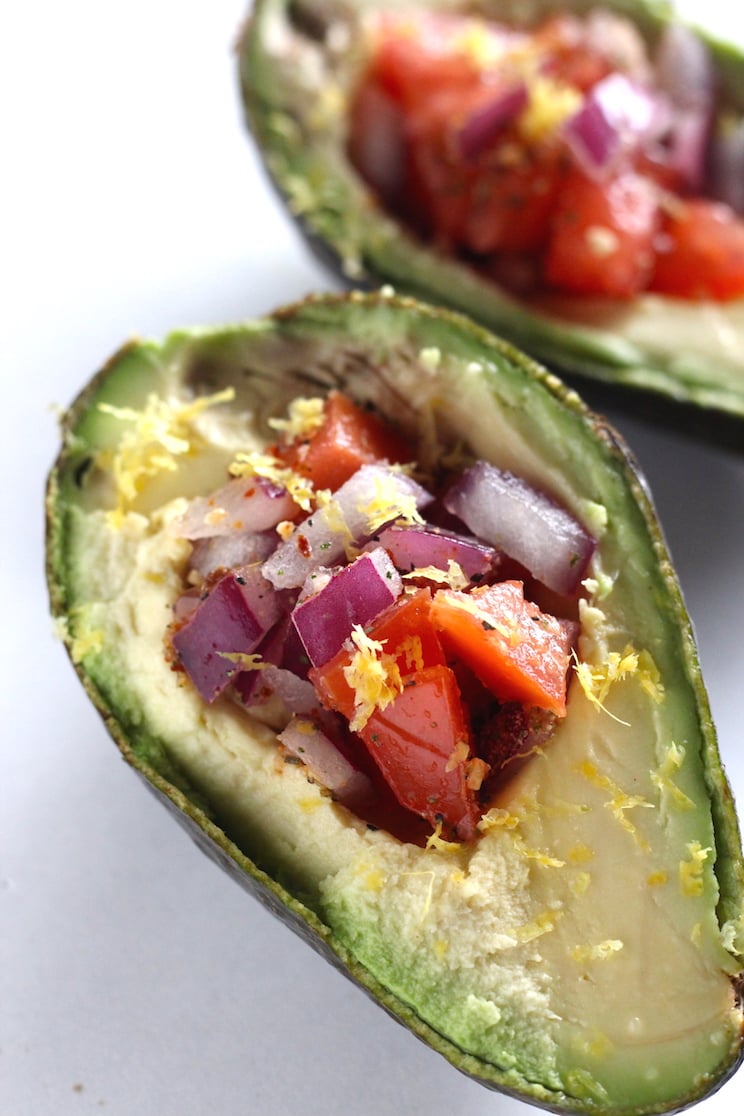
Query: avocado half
[584,953]
[299,62]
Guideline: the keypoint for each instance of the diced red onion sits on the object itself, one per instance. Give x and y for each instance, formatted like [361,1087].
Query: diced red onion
[325,762]
[253,687]
[412,547]
[486,122]
[617,115]
[322,539]
[354,595]
[243,504]
[231,619]
[687,149]
[185,605]
[685,72]
[684,67]
[377,144]
[511,515]
[225,552]
[726,166]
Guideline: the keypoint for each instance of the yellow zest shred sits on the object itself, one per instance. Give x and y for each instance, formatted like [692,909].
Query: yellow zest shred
[580,853]
[535,854]
[597,681]
[602,951]
[265,465]
[156,438]
[620,802]
[243,659]
[453,576]
[550,104]
[579,884]
[542,924]
[436,841]
[373,676]
[334,519]
[662,778]
[411,648]
[460,753]
[304,417]
[389,503]
[497,818]
[691,882]
[476,770]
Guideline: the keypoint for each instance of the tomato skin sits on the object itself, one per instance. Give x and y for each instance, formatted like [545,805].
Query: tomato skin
[700,252]
[518,652]
[416,742]
[348,438]
[602,235]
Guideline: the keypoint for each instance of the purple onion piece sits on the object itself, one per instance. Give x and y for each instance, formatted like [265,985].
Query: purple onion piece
[259,686]
[726,165]
[684,68]
[618,115]
[322,539]
[243,504]
[425,545]
[354,595]
[688,145]
[511,515]
[231,619]
[225,552]
[487,121]
[326,763]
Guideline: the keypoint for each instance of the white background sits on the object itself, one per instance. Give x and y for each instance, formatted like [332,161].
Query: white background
[135,977]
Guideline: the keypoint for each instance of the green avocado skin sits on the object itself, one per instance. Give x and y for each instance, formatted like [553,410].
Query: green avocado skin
[343,341]
[658,358]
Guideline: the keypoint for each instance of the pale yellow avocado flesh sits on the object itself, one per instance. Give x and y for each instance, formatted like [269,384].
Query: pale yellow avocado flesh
[576,944]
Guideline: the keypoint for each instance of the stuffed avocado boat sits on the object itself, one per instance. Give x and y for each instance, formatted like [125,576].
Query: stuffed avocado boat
[383,613]
[568,175]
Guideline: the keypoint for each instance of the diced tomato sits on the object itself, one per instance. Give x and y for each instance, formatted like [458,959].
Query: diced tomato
[602,235]
[517,651]
[421,743]
[348,438]
[700,252]
[511,203]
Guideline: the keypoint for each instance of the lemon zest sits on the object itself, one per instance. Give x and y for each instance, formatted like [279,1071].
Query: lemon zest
[257,464]
[158,435]
[373,675]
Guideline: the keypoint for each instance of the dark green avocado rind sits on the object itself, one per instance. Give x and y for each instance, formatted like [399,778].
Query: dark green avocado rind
[345,226]
[207,360]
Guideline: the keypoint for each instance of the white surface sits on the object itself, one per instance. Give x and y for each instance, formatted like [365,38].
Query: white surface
[134,976]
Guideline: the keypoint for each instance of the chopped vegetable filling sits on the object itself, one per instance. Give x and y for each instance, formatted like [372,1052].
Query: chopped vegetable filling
[411,661]
[565,158]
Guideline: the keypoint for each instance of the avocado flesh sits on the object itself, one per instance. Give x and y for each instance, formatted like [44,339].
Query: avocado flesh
[299,62]
[582,954]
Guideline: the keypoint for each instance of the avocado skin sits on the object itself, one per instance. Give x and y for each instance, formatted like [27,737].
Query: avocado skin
[327,316]
[348,234]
